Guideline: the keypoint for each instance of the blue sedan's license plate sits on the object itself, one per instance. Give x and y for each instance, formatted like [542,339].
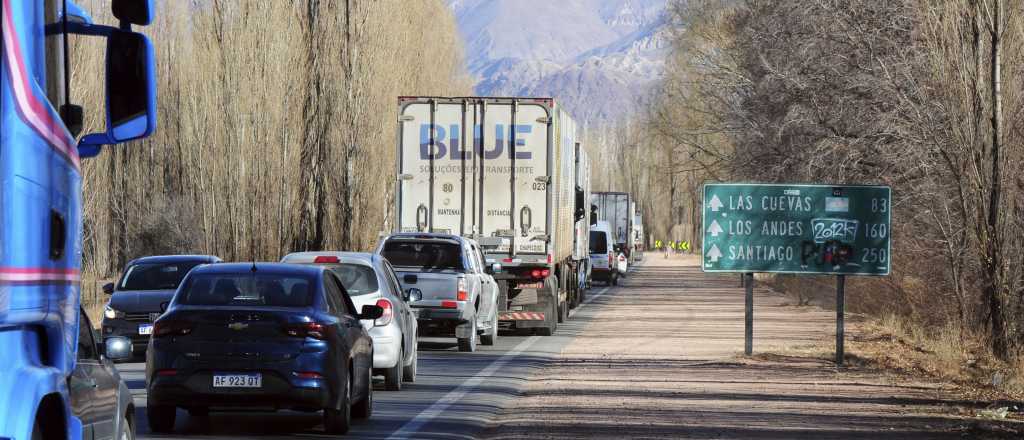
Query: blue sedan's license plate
[237,380]
[145,329]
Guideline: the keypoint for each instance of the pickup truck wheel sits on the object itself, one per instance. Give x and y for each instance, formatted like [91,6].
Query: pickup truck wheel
[492,335]
[468,345]
[160,418]
[393,375]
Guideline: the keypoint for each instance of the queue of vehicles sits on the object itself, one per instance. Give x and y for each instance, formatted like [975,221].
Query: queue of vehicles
[55,381]
[492,234]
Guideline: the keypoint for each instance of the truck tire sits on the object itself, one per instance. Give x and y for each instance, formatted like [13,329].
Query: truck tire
[468,345]
[560,286]
[551,319]
[562,307]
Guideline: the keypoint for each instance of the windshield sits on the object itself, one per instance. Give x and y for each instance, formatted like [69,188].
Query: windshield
[155,276]
[355,278]
[598,242]
[273,290]
[423,255]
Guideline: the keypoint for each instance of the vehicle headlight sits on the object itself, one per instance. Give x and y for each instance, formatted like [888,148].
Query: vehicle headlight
[112,313]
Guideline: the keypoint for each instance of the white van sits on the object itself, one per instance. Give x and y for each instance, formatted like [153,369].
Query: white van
[603,263]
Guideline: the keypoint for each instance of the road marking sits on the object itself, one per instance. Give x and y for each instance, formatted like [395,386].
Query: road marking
[413,426]
[588,299]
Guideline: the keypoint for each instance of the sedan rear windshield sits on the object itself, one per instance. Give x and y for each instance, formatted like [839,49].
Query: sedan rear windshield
[272,290]
[155,276]
[355,278]
[598,242]
[424,255]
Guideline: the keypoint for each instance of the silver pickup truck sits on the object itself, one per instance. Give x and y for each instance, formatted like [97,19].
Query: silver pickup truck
[458,293]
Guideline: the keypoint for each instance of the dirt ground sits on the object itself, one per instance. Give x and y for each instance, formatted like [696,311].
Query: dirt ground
[661,357]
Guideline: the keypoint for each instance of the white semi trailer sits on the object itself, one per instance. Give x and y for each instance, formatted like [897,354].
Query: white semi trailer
[505,172]
[618,209]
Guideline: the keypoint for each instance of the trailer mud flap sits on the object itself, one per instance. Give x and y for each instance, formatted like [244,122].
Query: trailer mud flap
[521,316]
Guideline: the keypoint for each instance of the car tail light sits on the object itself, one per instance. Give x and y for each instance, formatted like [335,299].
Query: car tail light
[171,328]
[167,372]
[549,258]
[449,305]
[611,261]
[308,375]
[389,312]
[535,273]
[326,259]
[462,295]
[313,330]
[544,273]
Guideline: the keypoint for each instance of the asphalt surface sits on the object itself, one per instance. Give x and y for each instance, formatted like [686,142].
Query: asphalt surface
[455,394]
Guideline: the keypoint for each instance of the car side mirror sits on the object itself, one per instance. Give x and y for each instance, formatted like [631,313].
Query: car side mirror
[117,348]
[371,311]
[163,306]
[108,288]
[413,295]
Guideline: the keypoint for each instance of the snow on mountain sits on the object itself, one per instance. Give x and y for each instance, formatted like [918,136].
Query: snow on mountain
[598,57]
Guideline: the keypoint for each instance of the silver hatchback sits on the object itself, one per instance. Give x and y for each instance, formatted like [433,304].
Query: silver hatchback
[370,280]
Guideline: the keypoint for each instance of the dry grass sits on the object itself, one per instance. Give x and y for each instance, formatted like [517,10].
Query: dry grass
[948,354]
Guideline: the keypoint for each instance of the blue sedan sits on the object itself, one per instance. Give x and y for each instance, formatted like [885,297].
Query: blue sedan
[261,336]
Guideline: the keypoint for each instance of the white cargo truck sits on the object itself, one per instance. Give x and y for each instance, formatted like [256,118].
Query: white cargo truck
[639,240]
[581,243]
[501,171]
[617,208]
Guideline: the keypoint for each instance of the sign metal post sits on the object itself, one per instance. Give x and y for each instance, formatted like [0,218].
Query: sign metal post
[840,306]
[748,334]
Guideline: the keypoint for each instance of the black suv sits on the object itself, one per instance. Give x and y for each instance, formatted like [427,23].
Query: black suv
[136,300]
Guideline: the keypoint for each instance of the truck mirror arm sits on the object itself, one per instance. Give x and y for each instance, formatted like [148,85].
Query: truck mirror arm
[82,28]
[91,144]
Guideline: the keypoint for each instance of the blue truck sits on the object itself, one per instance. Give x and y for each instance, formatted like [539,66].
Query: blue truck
[40,194]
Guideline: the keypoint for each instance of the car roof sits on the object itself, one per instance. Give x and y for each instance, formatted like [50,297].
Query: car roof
[343,257]
[176,259]
[271,268]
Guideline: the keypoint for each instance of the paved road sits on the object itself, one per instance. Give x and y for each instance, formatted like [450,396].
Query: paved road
[657,357]
[454,396]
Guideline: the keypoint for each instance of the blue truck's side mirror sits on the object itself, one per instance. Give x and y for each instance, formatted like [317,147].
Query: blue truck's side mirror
[137,12]
[131,92]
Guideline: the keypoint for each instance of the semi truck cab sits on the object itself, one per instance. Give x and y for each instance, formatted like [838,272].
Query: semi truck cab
[40,193]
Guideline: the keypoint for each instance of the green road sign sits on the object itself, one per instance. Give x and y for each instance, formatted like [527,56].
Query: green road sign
[796,228]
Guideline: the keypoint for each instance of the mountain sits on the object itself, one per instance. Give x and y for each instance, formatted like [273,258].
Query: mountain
[597,57]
